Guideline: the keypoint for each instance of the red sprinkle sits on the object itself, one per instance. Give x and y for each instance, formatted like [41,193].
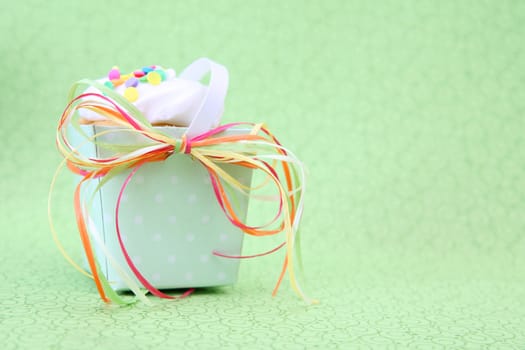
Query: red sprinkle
[139,73]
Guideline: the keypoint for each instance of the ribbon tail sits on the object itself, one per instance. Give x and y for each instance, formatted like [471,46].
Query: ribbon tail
[81,224]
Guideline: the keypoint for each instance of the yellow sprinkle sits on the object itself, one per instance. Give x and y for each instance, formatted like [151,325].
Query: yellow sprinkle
[131,93]
[154,78]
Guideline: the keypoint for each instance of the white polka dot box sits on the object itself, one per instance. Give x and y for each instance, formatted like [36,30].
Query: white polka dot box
[163,188]
[170,222]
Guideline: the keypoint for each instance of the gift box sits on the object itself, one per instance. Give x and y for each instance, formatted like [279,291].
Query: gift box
[163,190]
[169,218]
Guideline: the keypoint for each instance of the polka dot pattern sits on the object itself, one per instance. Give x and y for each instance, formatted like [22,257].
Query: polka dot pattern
[173,251]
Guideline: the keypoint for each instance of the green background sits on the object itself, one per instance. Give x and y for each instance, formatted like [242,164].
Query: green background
[408,114]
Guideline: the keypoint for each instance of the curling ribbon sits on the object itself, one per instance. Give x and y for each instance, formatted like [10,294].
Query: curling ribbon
[257,149]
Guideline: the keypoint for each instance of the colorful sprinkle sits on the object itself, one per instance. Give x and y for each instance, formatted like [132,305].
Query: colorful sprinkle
[150,74]
[132,82]
[154,78]
[117,82]
[114,73]
[131,94]
[146,70]
[161,73]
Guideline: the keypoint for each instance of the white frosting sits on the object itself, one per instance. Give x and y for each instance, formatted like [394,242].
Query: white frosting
[174,101]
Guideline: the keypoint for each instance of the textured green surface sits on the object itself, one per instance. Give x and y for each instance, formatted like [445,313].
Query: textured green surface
[409,115]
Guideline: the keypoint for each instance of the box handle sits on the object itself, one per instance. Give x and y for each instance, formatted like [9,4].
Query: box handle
[210,112]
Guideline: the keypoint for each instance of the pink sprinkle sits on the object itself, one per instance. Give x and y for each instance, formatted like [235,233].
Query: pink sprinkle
[114,74]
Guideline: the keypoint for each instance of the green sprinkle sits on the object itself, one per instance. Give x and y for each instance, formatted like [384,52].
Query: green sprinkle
[161,73]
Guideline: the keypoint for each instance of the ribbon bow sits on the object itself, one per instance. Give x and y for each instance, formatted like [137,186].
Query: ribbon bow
[256,149]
